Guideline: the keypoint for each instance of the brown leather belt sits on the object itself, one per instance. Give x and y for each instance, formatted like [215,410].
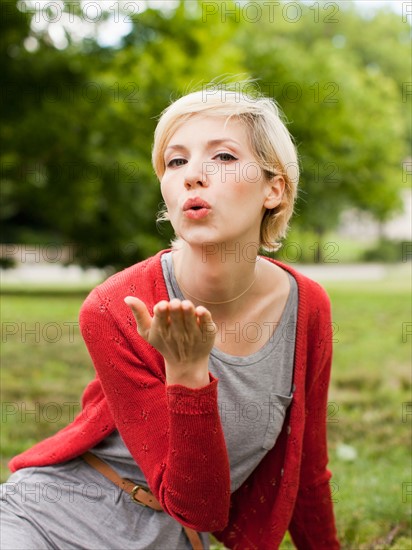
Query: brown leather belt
[139,494]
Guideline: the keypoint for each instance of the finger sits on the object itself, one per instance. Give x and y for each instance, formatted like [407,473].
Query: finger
[206,324]
[176,314]
[178,327]
[141,314]
[189,316]
[161,314]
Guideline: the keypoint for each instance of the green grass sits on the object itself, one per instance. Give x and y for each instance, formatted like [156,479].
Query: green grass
[369,430]
[371,387]
[45,365]
[303,246]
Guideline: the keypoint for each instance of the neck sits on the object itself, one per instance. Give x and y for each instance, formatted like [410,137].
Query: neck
[217,276]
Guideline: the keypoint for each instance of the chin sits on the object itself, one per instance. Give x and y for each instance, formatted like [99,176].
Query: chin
[197,236]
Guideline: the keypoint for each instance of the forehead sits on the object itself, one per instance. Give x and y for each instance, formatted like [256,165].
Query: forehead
[201,128]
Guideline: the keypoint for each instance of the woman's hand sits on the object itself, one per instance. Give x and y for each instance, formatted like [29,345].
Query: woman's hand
[183,334]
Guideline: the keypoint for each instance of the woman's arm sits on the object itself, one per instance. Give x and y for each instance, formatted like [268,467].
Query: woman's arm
[173,432]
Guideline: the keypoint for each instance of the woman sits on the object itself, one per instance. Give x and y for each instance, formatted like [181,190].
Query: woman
[216,406]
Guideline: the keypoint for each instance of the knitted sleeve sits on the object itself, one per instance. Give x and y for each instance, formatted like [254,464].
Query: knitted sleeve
[173,432]
[313,526]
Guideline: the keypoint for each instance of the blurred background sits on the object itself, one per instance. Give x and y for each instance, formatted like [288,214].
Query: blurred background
[83,85]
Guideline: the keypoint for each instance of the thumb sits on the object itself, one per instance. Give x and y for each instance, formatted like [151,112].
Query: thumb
[141,314]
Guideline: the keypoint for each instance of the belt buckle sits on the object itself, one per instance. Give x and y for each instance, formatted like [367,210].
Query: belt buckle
[133,493]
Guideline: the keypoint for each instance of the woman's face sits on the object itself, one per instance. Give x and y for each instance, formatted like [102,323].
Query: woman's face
[214,189]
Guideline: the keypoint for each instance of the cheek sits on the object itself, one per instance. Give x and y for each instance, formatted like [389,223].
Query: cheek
[251,174]
[165,190]
[170,197]
[247,181]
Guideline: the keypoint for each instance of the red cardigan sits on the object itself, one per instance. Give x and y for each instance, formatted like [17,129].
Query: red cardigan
[175,434]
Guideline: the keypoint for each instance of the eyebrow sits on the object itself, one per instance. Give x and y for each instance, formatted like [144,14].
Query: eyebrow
[209,143]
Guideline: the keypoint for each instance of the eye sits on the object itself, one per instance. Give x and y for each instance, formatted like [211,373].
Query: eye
[176,162]
[225,157]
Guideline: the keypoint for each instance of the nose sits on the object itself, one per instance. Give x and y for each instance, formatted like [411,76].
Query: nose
[195,175]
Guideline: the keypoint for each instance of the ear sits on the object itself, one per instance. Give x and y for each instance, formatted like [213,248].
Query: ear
[275,189]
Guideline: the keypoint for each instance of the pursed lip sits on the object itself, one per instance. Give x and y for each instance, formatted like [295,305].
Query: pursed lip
[195,203]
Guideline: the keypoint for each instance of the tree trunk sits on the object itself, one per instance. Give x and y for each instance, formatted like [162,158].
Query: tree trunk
[318,248]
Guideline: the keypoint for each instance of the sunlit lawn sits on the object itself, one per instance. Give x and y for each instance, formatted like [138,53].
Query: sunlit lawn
[45,365]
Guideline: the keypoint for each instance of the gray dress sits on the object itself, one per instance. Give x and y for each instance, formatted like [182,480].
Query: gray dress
[72,506]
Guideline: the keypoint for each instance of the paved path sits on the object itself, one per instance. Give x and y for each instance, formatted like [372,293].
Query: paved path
[53,274]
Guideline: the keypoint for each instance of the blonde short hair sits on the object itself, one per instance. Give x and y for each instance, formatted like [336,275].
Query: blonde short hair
[270,140]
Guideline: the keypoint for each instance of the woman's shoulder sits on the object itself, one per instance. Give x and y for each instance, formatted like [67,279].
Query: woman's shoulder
[310,291]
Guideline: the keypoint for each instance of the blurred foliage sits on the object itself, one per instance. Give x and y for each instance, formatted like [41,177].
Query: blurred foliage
[78,119]
[388,250]
[344,106]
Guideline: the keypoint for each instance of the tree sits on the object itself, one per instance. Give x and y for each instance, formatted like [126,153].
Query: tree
[79,117]
[345,113]
[77,167]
